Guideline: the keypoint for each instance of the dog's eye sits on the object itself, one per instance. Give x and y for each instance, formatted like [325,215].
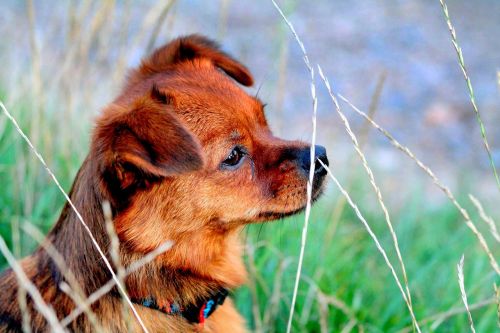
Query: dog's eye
[234,158]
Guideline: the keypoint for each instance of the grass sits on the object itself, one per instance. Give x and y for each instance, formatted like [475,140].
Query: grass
[431,241]
[356,273]
[470,89]
[344,283]
[311,169]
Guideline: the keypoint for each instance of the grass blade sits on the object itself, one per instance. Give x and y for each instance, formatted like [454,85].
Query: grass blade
[487,219]
[376,188]
[311,167]
[460,270]
[472,98]
[47,312]
[375,239]
[436,181]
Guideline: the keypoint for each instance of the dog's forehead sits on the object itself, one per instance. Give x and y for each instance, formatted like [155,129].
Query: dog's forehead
[209,118]
[214,105]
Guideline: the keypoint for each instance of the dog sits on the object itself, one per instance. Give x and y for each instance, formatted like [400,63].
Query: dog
[183,154]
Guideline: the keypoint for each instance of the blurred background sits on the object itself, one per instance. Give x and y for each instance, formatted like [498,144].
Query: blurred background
[62,62]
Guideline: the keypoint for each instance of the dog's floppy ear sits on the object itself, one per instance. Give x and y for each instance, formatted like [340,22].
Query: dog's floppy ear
[144,142]
[189,48]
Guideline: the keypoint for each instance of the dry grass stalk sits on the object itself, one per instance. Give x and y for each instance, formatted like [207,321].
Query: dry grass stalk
[122,45]
[325,300]
[436,181]
[257,276]
[52,252]
[98,22]
[77,299]
[487,219]
[472,98]
[349,326]
[323,314]
[223,15]
[16,236]
[273,307]
[106,288]
[335,216]
[438,318]
[114,250]
[36,72]
[460,270]
[157,25]
[74,39]
[311,168]
[23,306]
[37,102]
[72,288]
[375,239]
[46,311]
[281,84]
[373,107]
[363,137]
[106,38]
[79,216]
[374,185]
[310,298]
[151,19]
[497,301]
[339,304]
[252,285]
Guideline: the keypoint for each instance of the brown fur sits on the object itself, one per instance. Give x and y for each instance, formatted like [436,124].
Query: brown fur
[156,155]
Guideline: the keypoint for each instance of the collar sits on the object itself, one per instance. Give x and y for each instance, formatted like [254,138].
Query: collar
[194,313]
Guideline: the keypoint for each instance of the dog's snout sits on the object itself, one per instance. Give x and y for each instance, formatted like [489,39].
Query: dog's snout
[319,155]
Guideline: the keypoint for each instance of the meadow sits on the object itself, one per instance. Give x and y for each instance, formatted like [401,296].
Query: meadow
[345,285]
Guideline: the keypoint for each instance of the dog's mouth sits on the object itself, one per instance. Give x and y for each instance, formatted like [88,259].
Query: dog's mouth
[275,215]
[269,216]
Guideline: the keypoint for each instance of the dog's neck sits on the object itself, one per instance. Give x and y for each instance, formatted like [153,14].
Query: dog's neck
[184,274]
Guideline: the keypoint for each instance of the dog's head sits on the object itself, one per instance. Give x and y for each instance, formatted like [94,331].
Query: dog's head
[186,149]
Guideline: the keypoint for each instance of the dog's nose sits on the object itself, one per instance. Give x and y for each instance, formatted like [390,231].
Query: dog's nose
[320,154]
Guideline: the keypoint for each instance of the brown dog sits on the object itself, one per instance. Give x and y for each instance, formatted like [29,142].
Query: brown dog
[183,154]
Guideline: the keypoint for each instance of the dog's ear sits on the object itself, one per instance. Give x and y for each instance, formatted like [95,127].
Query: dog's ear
[143,143]
[189,48]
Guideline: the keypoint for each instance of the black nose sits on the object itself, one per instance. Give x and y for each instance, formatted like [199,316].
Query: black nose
[305,160]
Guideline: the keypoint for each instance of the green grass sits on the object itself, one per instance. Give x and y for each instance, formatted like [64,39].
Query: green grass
[348,268]
[27,193]
[431,243]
